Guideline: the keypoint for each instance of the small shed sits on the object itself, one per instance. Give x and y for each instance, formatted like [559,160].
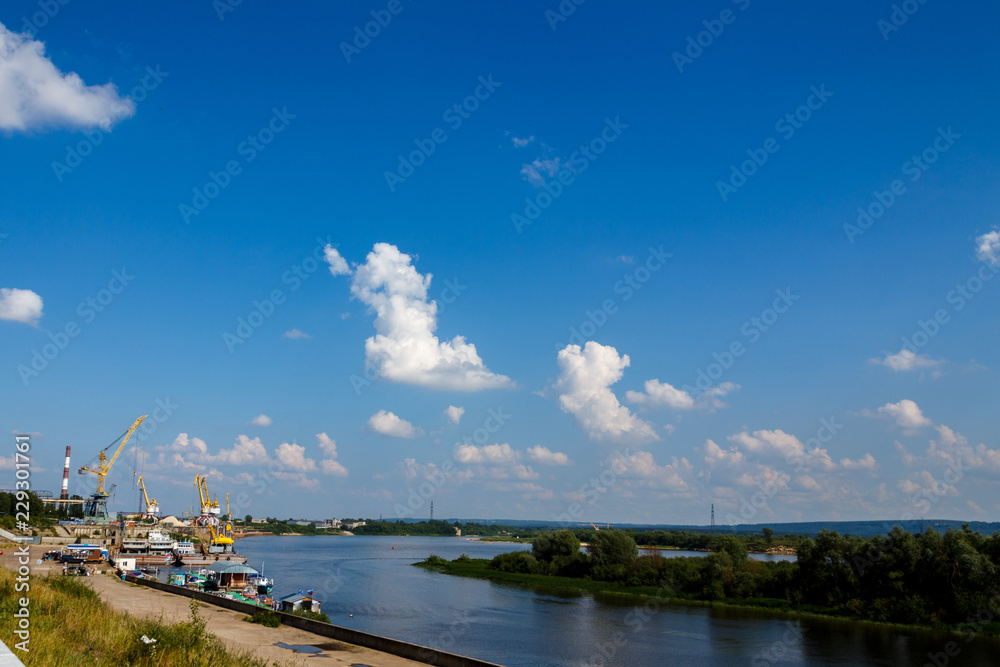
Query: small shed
[300,602]
[232,575]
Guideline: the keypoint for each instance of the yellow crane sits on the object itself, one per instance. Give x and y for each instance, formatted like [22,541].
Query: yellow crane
[97,505]
[595,527]
[229,516]
[217,539]
[152,508]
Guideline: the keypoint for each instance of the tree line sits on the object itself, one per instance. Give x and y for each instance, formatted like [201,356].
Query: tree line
[929,578]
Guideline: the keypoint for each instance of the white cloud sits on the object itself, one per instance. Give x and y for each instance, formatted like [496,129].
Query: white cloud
[338,265]
[293,457]
[35,95]
[244,451]
[907,415]
[988,247]
[20,305]
[521,143]
[906,360]
[786,446]
[6,463]
[583,384]
[405,348]
[545,456]
[534,172]
[498,454]
[330,465]
[643,466]
[295,334]
[261,420]
[454,414]
[663,394]
[389,424]
[715,454]
[867,462]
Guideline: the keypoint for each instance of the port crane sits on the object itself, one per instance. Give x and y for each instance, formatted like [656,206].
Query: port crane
[96,506]
[152,508]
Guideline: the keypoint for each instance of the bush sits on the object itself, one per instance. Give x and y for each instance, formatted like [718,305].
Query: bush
[552,544]
[434,559]
[463,558]
[612,547]
[311,615]
[267,618]
[520,562]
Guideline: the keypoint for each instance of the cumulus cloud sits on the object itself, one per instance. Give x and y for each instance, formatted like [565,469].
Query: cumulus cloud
[522,142]
[454,414]
[20,305]
[664,395]
[295,334]
[988,247]
[867,462]
[330,465]
[906,360]
[244,451]
[338,265]
[498,454]
[907,414]
[545,456]
[534,172]
[35,95]
[389,424]
[779,444]
[261,420]
[583,386]
[643,466]
[293,457]
[405,348]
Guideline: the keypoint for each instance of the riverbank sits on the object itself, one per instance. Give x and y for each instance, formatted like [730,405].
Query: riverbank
[478,569]
[123,609]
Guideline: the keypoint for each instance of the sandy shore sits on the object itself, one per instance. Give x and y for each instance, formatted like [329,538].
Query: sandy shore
[225,624]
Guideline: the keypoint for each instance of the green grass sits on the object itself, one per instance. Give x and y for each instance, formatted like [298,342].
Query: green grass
[71,626]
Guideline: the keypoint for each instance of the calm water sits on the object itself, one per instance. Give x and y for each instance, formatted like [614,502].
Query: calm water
[513,625]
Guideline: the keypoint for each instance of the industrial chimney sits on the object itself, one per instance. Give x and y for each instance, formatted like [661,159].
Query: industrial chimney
[65,487]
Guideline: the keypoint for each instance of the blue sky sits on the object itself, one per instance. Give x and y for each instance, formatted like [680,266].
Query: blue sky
[470,220]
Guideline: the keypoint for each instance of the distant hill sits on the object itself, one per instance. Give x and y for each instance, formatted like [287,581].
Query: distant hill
[859,528]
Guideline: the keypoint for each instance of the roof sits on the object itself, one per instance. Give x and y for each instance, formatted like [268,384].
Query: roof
[229,567]
[295,597]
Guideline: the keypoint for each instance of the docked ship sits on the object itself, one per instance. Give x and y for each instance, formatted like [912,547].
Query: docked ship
[219,548]
[157,548]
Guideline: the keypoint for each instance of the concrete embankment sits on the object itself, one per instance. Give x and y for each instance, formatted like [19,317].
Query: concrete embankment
[395,647]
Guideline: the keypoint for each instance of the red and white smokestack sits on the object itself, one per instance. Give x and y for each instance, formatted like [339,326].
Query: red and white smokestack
[65,487]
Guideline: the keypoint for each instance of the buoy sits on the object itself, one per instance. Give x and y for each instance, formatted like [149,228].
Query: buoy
[394,547]
[351,615]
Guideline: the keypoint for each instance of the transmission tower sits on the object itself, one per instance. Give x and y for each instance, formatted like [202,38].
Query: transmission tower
[713,518]
[432,510]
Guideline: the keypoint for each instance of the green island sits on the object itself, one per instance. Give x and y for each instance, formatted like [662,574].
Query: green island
[927,580]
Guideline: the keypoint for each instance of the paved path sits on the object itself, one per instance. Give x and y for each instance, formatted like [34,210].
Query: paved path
[227,625]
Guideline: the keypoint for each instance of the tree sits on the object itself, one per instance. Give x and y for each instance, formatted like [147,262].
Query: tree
[612,547]
[550,545]
[768,536]
[248,519]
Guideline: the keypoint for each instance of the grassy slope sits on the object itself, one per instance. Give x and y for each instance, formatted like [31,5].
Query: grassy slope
[71,625]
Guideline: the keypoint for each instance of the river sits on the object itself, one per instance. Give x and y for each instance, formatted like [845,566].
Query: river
[372,579]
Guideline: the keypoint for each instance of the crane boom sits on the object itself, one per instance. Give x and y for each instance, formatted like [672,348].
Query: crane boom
[104,465]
